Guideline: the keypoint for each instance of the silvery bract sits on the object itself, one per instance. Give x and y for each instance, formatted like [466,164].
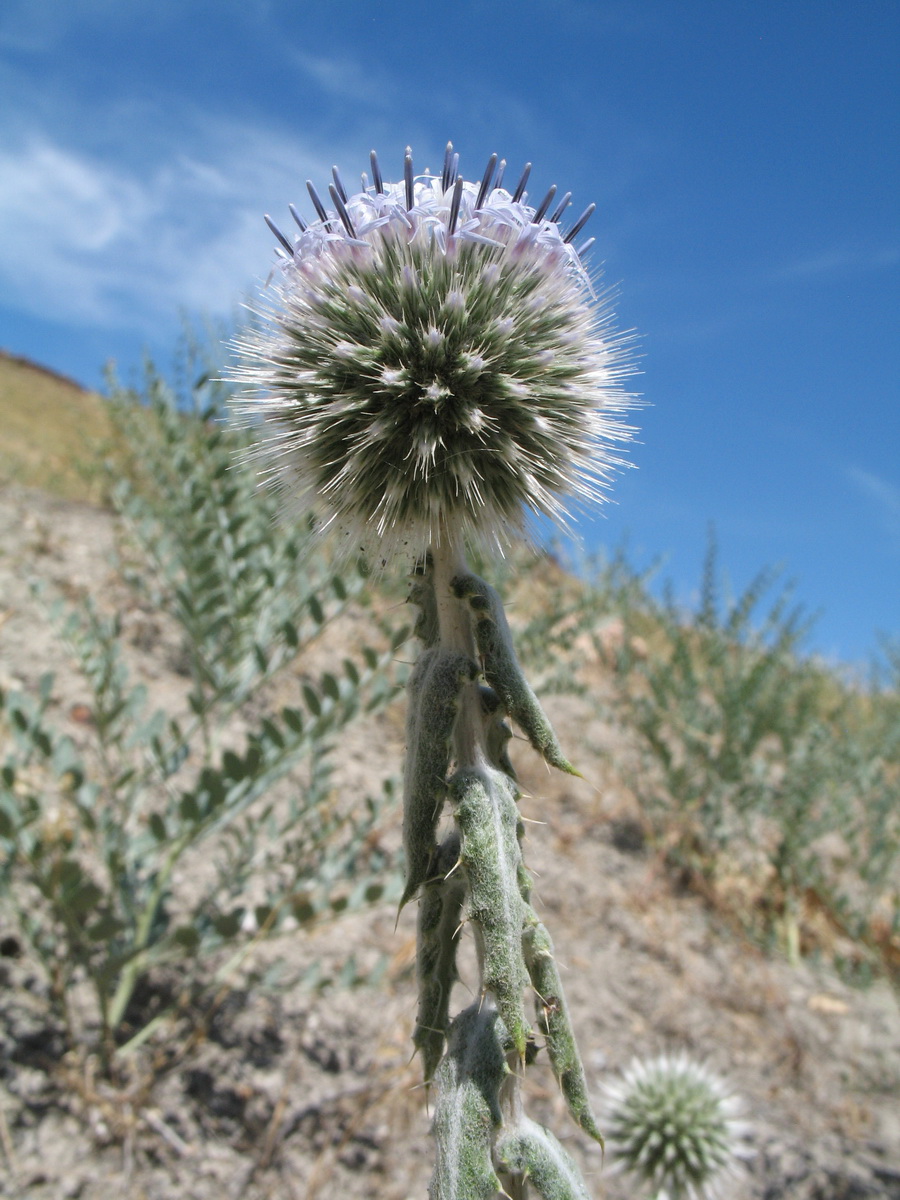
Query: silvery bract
[431,355]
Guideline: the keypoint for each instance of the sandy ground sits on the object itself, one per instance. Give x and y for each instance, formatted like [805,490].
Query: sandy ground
[294,1095]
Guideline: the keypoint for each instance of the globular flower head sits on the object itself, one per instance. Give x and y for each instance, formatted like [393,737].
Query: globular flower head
[432,361]
[675,1125]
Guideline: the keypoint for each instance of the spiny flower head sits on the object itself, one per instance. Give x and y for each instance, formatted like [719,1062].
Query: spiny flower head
[673,1123]
[432,358]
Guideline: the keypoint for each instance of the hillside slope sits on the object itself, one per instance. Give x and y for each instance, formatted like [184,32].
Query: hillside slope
[289,1093]
[51,428]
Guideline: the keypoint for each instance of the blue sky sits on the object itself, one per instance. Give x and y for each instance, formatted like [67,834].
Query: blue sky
[743,157]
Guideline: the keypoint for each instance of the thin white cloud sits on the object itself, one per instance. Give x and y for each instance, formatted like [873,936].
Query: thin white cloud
[885,496]
[842,260]
[87,240]
[346,79]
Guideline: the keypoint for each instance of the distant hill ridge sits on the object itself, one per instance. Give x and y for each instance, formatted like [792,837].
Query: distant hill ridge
[21,360]
[51,430]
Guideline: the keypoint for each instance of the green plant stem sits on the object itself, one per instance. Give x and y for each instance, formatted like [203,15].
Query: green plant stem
[516,1186]
[132,970]
[470,752]
[456,633]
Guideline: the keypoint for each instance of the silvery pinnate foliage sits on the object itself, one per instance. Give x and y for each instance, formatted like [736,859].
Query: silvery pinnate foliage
[431,352]
[674,1124]
[157,839]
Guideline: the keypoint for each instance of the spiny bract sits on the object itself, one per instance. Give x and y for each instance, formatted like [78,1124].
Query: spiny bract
[432,357]
[673,1123]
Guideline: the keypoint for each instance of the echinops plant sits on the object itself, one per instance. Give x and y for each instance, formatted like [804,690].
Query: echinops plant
[432,368]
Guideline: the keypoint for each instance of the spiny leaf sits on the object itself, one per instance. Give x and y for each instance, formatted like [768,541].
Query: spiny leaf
[503,672]
[553,1017]
[488,820]
[467,1112]
[439,928]
[434,689]
[421,593]
[531,1151]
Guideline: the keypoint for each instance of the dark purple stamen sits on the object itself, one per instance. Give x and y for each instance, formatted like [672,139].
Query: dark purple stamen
[408,177]
[376,174]
[454,205]
[486,180]
[545,204]
[317,203]
[341,190]
[297,218]
[580,223]
[342,210]
[287,245]
[448,162]
[561,207]
[520,187]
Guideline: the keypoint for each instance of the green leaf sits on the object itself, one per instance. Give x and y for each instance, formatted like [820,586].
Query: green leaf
[42,741]
[211,784]
[330,686]
[105,928]
[228,924]
[293,718]
[232,765]
[400,636]
[272,733]
[70,873]
[351,671]
[303,909]
[158,827]
[188,807]
[315,608]
[187,936]
[83,898]
[313,703]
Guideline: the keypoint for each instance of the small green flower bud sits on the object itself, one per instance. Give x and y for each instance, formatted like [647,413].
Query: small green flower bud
[674,1124]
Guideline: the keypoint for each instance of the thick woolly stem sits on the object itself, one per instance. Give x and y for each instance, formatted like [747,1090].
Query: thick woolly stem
[456,633]
[467,680]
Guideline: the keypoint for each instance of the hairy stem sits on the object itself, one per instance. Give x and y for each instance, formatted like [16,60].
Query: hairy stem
[456,633]
[470,752]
